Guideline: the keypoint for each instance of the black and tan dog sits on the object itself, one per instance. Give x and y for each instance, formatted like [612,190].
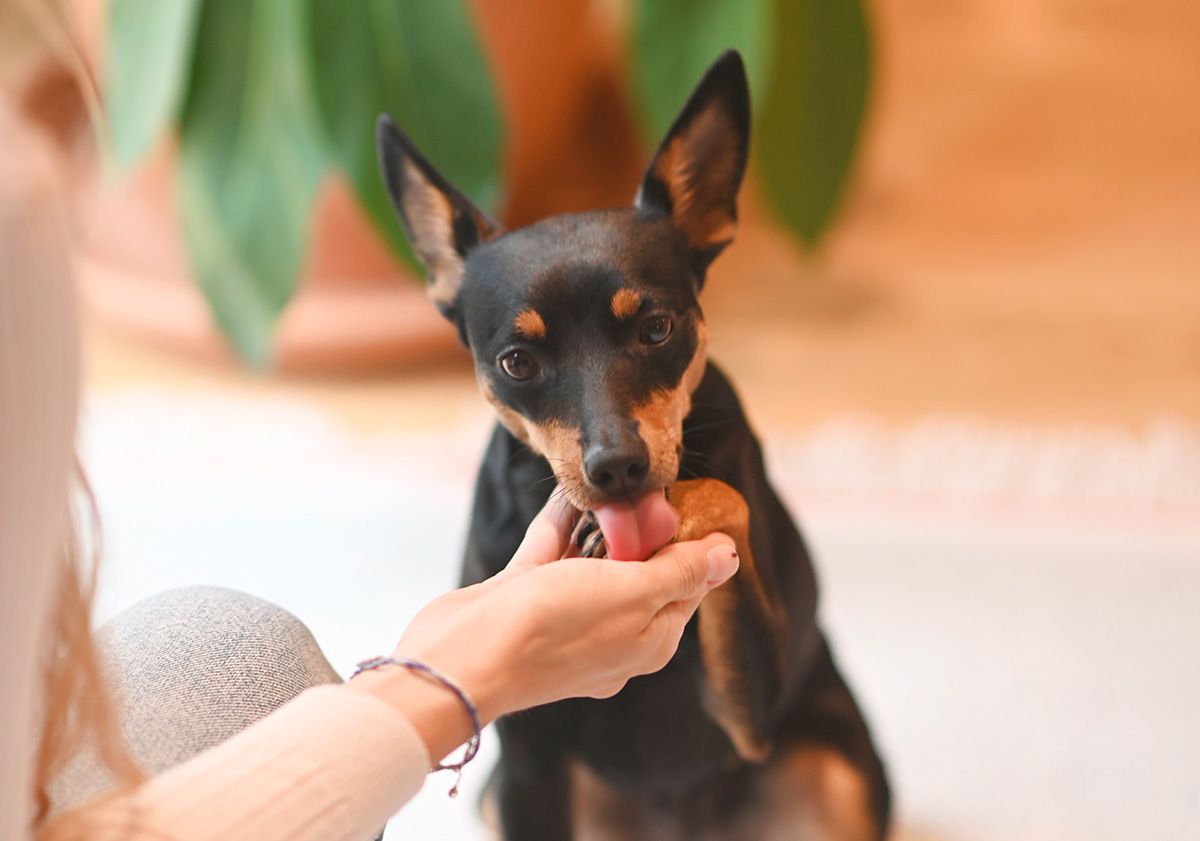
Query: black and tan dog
[589,341]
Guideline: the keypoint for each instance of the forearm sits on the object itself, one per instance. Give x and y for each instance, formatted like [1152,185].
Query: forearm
[333,764]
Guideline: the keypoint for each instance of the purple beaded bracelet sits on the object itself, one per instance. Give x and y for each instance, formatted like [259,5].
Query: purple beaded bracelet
[430,672]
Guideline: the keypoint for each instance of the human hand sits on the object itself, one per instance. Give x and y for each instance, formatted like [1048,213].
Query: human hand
[547,628]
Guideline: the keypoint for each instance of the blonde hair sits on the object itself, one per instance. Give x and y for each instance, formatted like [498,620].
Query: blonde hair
[78,709]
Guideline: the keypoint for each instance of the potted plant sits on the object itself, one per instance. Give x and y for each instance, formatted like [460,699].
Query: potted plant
[243,132]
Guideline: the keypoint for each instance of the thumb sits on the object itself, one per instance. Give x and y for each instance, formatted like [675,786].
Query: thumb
[547,536]
[690,569]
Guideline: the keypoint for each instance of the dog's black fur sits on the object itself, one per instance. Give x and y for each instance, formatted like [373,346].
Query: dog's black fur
[589,340]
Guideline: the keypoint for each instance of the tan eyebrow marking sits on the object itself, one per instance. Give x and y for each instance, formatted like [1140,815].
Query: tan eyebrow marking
[529,324]
[625,303]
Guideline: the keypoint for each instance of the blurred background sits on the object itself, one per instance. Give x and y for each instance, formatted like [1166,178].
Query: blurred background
[963,311]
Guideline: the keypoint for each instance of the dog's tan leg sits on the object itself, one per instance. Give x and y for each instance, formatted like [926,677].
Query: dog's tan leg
[727,616]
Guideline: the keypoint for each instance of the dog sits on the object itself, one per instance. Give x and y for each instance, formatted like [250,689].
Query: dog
[589,340]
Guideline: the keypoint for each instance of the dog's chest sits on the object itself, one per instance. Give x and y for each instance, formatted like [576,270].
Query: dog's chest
[654,736]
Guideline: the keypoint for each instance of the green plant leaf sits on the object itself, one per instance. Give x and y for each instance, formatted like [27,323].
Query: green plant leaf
[250,163]
[808,126]
[420,61]
[674,42]
[149,44]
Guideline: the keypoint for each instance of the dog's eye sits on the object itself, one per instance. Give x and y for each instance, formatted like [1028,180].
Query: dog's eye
[519,365]
[656,329]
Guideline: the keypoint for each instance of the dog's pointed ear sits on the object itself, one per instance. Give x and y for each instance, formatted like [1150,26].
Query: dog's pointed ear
[443,225]
[697,170]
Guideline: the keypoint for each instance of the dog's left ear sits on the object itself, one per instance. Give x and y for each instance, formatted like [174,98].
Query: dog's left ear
[442,224]
[696,172]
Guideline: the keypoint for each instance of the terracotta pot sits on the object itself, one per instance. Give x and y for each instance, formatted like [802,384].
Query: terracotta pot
[560,73]
[558,70]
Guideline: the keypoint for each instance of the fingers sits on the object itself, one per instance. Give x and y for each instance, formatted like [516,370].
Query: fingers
[666,628]
[687,574]
[547,536]
[688,570]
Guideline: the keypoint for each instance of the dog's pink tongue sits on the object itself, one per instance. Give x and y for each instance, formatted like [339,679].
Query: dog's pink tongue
[635,529]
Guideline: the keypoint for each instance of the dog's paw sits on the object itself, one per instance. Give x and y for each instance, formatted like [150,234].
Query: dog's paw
[587,541]
[708,505]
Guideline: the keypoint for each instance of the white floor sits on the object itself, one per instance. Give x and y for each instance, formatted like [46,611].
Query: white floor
[1019,612]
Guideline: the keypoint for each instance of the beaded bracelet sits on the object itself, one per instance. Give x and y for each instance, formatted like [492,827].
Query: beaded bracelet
[429,671]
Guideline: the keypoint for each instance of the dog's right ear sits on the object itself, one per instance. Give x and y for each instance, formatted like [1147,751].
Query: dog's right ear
[442,224]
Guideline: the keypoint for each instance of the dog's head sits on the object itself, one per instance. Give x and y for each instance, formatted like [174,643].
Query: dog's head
[585,328]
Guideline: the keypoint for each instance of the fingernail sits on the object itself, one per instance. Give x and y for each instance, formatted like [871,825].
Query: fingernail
[722,563]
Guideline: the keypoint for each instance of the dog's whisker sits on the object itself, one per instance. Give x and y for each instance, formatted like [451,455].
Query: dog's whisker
[688,430]
[701,404]
[536,482]
[703,462]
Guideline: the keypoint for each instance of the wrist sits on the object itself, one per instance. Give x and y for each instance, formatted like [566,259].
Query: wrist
[439,717]
[479,676]
[480,663]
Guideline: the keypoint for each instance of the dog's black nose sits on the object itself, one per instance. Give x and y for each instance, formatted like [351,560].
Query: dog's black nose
[617,471]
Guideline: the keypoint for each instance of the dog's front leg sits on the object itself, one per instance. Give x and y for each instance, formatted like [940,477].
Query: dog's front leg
[741,626]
